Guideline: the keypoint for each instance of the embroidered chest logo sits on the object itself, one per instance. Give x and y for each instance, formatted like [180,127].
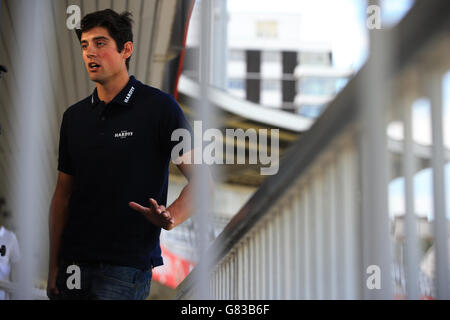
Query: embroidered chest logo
[130,93]
[123,134]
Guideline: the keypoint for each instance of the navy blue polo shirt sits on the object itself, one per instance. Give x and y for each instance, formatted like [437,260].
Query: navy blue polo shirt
[117,153]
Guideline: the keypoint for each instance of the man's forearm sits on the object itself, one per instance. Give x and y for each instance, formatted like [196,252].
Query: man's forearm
[181,209]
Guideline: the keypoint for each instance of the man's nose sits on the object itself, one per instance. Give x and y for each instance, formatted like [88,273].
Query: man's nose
[90,51]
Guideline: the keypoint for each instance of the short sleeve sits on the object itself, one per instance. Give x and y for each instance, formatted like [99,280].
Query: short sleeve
[15,249]
[64,163]
[173,119]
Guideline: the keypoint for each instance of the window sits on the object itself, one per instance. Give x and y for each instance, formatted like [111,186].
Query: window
[267,29]
[311,111]
[321,86]
[315,58]
[236,84]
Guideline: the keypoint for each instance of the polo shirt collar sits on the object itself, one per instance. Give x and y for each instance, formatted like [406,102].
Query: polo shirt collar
[123,98]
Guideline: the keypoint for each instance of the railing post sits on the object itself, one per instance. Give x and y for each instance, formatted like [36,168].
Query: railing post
[300,261]
[308,254]
[240,268]
[350,264]
[258,260]
[265,262]
[318,230]
[332,229]
[294,245]
[411,243]
[375,212]
[203,205]
[433,85]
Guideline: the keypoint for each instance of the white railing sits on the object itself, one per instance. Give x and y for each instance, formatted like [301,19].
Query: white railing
[320,228]
[305,247]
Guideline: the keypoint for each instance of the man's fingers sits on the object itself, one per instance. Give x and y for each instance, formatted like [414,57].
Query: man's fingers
[169,225]
[159,210]
[154,204]
[166,214]
[138,207]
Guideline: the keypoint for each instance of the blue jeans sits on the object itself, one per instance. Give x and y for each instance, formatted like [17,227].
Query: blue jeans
[103,282]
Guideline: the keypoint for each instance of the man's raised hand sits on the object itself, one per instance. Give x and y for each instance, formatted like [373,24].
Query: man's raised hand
[156,214]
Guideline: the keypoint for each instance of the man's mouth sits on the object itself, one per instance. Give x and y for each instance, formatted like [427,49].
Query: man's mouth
[93,66]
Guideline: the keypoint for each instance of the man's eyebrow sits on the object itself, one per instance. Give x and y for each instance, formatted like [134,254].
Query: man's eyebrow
[96,39]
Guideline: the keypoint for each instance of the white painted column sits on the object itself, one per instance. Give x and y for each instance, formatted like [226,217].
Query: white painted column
[30,130]
[374,160]
[434,91]
[203,205]
[411,242]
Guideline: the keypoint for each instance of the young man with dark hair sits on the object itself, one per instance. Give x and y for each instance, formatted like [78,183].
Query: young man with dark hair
[114,153]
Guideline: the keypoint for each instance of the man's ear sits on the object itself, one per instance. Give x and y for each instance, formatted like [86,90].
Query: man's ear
[128,49]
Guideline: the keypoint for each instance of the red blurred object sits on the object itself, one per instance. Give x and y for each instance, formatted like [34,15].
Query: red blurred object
[174,270]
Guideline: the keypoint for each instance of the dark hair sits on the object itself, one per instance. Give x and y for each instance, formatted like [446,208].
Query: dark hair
[119,26]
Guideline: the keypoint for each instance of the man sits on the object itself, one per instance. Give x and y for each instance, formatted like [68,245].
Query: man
[114,155]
